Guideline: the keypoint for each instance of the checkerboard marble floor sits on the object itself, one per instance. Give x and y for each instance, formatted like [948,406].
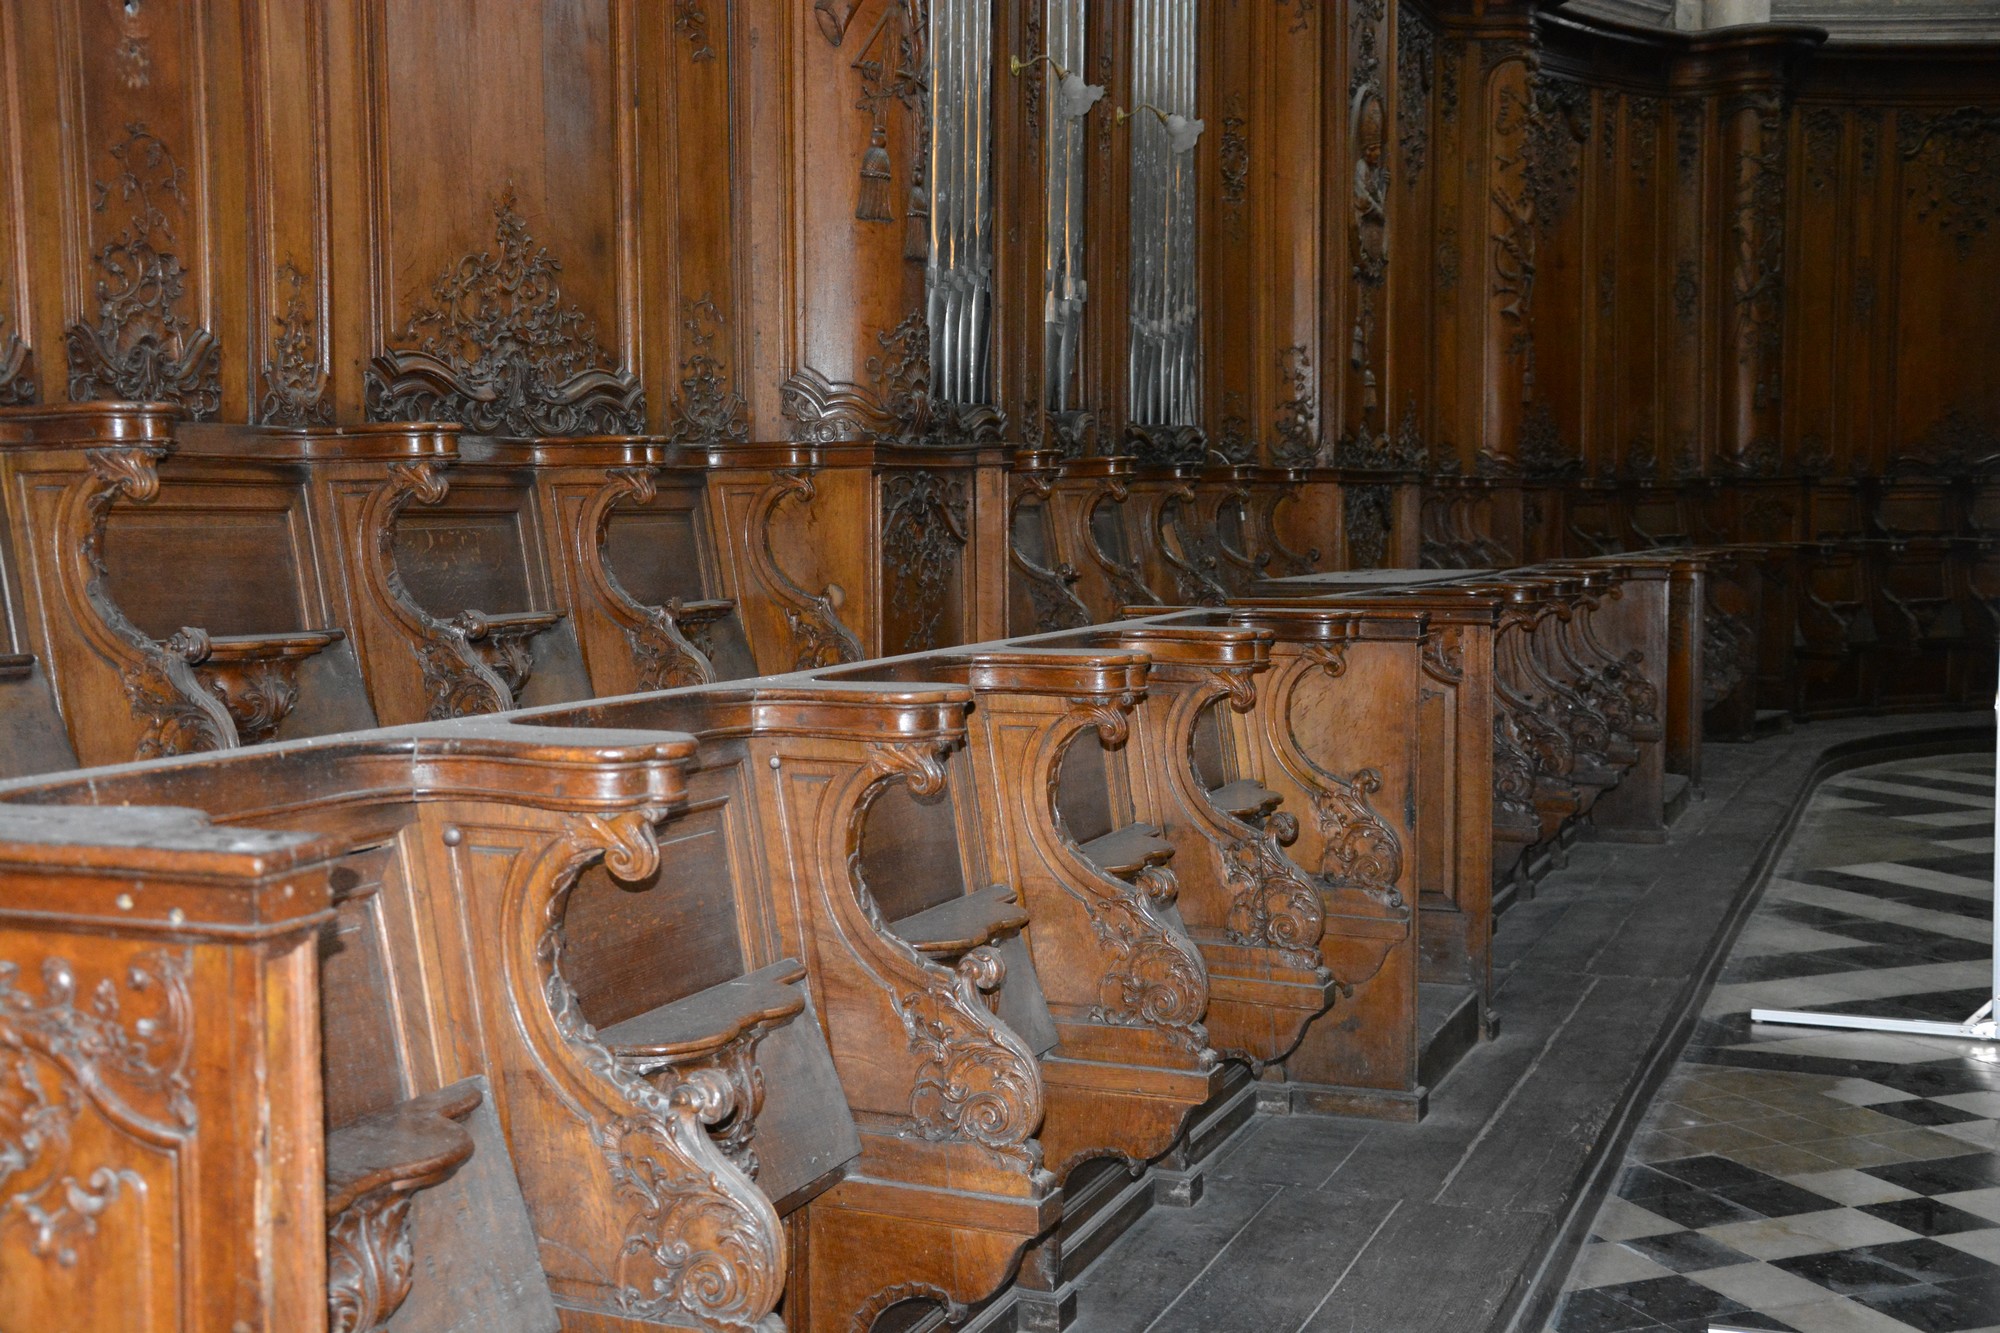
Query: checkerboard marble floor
[1826,1181]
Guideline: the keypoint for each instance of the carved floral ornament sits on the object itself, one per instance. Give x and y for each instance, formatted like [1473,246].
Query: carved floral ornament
[76,1046]
[498,349]
[1956,183]
[140,347]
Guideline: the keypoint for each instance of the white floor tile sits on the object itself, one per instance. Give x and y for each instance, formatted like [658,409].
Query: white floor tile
[1853,1188]
[1949,818]
[1942,795]
[1603,1264]
[1921,877]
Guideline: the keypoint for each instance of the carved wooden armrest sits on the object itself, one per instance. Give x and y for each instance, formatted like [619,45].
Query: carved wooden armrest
[256,676]
[714,1030]
[1128,851]
[956,927]
[503,642]
[1245,799]
[701,1024]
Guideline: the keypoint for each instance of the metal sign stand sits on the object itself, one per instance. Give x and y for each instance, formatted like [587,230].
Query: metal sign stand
[1980,1027]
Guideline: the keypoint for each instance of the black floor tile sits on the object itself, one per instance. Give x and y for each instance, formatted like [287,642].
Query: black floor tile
[1825,962]
[1713,1172]
[1942,1078]
[1688,1251]
[1950,1006]
[1932,1261]
[1924,1111]
[1777,1198]
[1927,1216]
[1848,1272]
[1942,1175]
[1594,1312]
[1668,1299]
[1697,1208]
[1950,1308]
[1638,1183]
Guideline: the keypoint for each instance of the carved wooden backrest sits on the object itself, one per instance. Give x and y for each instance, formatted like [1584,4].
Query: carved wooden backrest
[177,613]
[920,1014]
[1256,916]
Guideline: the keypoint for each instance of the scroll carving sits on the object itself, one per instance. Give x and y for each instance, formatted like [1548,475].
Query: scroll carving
[58,1055]
[1273,904]
[1050,591]
[1126,585]
[813,619]
[1443,655]
[665,655]
[923,531]
[294,385]
[1362,850]
[977,1081]
[708,409]
[459,679]
[499,350]
[1153,975]
[1193,567]
[140,347]
[702,1242]
[824,411]
[179,715]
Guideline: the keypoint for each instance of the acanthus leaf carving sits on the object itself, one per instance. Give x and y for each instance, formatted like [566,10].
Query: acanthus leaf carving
[294,382]
[702,1242]
[1295,432]
[691,22]
[977,1082]
[499,350]
[923,532]
[140,347]
[74,1045]
[1368,515]
[1362,851]
[1959,152]
[708,409]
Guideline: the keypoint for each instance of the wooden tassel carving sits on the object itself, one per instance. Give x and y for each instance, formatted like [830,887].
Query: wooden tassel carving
[875,180]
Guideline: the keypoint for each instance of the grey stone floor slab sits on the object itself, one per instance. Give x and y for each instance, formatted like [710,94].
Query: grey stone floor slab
[1317,1225]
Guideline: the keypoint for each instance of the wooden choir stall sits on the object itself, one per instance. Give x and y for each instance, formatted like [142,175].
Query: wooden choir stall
[762,664]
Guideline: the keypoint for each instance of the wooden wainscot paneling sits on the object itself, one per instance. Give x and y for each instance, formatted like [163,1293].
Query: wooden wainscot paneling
[158,1018]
